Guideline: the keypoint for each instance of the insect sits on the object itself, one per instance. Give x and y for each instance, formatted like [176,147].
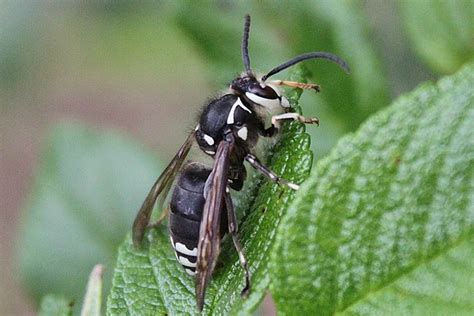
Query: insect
[201,209]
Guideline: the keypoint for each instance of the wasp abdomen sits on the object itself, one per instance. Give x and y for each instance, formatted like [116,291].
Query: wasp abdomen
[187,203]
[184,234]
[186,206]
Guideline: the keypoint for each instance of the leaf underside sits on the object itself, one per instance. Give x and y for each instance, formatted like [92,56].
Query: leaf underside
[385,224]
[150,280]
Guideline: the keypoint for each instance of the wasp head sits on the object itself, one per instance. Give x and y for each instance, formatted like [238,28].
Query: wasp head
[248,83]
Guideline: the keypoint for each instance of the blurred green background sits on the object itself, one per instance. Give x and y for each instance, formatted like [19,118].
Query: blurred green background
[126,81]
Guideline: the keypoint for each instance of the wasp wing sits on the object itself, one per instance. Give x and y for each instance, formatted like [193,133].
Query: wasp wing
[209,233]
[160,190]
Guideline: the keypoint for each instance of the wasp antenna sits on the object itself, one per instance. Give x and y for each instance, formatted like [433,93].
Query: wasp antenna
[336,59]
[245,44]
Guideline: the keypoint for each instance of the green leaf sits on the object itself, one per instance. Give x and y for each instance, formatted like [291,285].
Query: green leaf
[83,201]
[150,281]
[385,224]
[441,32]
[55,305]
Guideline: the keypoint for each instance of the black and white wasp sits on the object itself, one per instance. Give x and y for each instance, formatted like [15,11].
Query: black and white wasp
[201,209]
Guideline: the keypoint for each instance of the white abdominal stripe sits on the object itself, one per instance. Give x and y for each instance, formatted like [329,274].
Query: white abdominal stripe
[186,257]
[191,272]
[185,261]
[181,248]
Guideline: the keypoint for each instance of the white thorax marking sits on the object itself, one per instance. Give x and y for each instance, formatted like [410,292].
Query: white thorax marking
[243,132]
[230,118]
[209,139]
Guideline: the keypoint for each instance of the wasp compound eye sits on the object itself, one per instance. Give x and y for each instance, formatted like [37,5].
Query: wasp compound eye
[265,92]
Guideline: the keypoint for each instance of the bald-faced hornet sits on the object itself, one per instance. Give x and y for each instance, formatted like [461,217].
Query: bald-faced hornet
[201,208]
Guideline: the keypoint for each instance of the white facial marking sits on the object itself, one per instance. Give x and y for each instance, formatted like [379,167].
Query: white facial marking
[184,250]
[209,139]
[185,262]
[268,103]
[197,127]
[227,189]
[210,152]
[230,117]
[243,132]
[190,272]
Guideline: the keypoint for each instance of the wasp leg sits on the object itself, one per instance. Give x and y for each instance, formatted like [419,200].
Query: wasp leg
[293,117]
[254,162]
[160,219]
[295,84]
[288,116]
[232,220]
